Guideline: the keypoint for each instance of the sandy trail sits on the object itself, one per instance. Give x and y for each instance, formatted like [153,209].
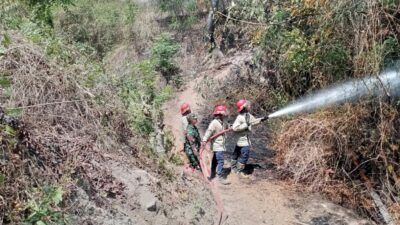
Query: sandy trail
[260,199]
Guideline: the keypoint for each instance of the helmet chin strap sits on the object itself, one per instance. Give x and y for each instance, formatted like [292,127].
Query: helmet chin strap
[244,110]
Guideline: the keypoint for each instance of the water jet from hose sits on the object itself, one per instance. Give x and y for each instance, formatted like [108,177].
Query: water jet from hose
[385,84]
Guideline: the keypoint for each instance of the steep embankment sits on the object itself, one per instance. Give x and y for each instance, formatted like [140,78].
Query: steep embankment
[68,155]
[262,199]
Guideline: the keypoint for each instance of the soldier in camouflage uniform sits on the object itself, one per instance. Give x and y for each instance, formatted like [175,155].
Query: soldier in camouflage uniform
[193,141]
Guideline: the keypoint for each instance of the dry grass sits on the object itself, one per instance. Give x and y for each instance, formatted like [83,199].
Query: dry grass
[146,25]
[314,141]
[332,150]
[63,134]
[40,88]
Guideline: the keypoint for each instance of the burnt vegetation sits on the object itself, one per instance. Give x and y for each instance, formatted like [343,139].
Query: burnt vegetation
[350,152]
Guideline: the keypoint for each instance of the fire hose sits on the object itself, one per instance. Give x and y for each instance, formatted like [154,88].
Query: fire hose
[206,171]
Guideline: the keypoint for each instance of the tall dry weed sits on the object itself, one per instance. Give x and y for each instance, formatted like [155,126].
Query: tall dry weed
[354,147]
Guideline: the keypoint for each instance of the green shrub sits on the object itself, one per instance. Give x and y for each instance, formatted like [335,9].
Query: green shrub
[136,91]
[249,10]
[296,58]
[163,51]
[100,24]
[182,12]
[333,58]
[43,206]
[12,13]
[274,34]
[42,9]
[391,4]
[391,51]
[141,97]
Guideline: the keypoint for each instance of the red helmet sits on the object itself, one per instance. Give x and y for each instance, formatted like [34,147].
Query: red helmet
[241,104]
[185,107]
[219,110]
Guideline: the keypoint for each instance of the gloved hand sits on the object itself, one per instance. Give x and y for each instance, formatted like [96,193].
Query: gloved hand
[264,118]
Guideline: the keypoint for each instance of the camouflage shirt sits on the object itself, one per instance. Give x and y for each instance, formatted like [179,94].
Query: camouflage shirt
[194,135]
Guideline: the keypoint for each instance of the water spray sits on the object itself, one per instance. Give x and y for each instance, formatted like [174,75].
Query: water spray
[385,84]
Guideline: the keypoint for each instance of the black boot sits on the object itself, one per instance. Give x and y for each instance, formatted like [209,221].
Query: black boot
[212,176]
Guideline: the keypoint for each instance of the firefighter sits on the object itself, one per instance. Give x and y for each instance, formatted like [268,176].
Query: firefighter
[242,128]
[185,110]
[218,144]
[192,141]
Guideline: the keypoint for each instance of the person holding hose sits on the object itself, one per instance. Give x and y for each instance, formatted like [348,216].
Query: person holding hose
[218,144]
[192,141]
[242,128]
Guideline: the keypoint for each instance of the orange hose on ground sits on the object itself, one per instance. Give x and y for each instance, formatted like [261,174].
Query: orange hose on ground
[206,173]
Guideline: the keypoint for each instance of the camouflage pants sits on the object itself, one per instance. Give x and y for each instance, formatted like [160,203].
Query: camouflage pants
[194,161]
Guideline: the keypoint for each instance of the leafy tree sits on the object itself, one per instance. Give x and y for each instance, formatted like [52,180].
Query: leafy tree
[42,8]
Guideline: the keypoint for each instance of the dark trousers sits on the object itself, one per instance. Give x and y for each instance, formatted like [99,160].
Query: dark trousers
[217,164]
[241,155]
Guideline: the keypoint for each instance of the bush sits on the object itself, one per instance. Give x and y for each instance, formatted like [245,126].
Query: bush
[99,23]
[163,51]
[182,12]
[43,8]
[391,53]
[12,13]
[43,206]
[250,10]
[141,97]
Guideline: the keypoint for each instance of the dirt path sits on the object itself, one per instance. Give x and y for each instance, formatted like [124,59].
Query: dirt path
[261,199]
[172,114]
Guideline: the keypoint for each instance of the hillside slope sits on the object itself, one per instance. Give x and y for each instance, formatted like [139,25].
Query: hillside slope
[267,199]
